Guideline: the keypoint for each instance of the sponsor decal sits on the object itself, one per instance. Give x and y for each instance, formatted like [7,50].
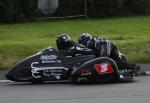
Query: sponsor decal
[85,72]
[103,68]
[52,61]
[56,72]
[48,57]
[57,77]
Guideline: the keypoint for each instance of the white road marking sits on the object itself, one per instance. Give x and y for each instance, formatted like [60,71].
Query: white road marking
[5,81]
[147,72]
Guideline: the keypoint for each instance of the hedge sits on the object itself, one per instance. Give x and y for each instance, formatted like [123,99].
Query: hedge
[17,10]
[20,10]
[106,8]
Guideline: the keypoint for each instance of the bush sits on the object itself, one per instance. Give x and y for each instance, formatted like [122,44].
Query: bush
[6,10]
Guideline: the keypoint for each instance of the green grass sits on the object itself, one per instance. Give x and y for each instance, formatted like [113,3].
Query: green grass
[131,34]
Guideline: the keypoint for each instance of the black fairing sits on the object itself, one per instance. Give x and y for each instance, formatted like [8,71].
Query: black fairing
[22,69]
[94,75]
[48,57]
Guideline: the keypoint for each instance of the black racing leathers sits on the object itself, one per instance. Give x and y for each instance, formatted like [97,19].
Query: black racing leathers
[106,48]
[74,49]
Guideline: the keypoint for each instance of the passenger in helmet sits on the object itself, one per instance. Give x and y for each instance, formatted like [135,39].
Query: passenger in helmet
[104,48]
[84,39]
[65,45]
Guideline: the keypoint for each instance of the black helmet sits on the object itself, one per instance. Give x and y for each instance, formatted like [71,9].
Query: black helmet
[63,41]
[84,39]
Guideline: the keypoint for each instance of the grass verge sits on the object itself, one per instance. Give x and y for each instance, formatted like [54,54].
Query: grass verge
[131,34]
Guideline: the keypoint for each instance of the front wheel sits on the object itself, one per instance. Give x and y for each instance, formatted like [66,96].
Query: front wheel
[73,80]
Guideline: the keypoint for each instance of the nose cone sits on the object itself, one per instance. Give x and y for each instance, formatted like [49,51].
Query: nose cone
[10,76]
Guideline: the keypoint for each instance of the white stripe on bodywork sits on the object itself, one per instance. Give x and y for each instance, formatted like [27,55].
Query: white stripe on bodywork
[108,47]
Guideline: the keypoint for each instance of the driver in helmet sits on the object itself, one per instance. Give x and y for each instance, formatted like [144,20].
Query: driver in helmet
[69,47]
[105,48]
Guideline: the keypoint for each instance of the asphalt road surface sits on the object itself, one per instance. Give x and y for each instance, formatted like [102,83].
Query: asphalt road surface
[137,91]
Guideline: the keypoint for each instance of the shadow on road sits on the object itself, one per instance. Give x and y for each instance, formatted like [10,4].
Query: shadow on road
[67,83]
